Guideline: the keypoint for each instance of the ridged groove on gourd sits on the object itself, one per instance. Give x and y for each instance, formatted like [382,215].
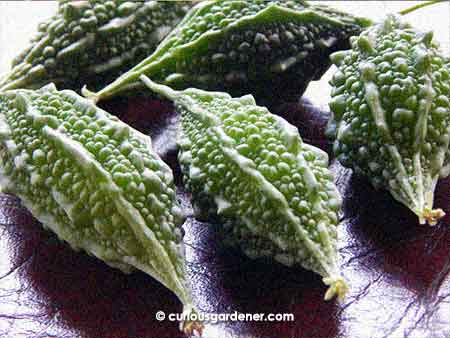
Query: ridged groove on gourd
[93,42]
[252,168]
[391,112]
[94,181]
[245,47]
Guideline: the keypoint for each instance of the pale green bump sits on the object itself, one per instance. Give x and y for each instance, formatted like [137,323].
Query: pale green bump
[423,59]
[338,105]
[252,169]
[427,38]
[338,57]
[367,71]
[404,115]
[365,45]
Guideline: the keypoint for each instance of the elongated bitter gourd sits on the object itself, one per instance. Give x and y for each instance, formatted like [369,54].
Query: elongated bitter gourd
[93,42]
[252,168]
[391,112]
[271,49]
[94,181]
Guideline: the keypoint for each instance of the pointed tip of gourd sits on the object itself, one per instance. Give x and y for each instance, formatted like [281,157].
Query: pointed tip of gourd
[337,288]
[431,216]
[91,96]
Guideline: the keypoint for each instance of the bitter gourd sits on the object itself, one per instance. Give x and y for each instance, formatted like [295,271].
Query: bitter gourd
[95,182]
[252,169]
[391,112]
[93,42]
[271,49]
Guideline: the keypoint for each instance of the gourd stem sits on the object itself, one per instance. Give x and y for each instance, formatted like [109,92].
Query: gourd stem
[413,8]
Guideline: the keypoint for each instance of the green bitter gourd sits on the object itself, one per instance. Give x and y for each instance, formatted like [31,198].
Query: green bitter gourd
[93,42]
[252,169]
[271,49]
[391,118]
[95,182]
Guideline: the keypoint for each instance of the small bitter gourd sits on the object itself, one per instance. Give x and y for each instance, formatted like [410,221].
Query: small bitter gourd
[95,182]
[391,118]
[93,42]
[271,49]
[252,169]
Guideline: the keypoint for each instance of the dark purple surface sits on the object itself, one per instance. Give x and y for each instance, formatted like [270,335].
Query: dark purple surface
[398,270]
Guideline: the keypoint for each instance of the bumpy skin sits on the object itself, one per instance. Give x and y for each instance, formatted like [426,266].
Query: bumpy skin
[252,169]
[94,181]
[93,42]
[271,49]
[391,112]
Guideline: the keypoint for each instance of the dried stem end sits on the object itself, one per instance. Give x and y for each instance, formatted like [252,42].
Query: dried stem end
[431,216]
[337,287]
[192,325]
